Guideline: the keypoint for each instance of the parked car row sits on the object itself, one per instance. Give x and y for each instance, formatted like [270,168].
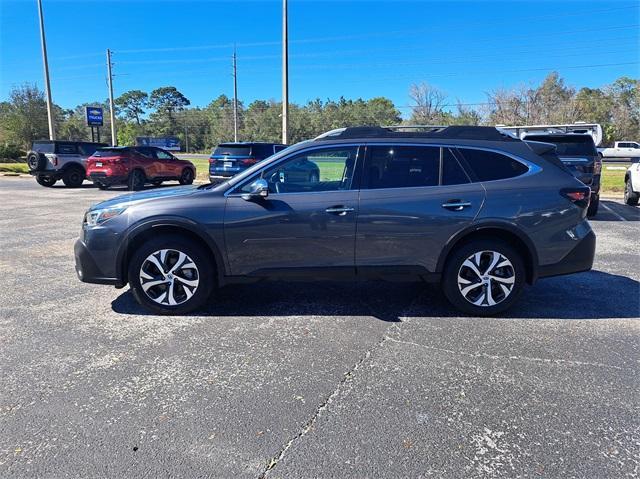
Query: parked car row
[73,162]
[478,211]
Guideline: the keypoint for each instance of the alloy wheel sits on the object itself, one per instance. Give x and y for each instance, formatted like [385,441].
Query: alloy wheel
[486,278]
[169,277]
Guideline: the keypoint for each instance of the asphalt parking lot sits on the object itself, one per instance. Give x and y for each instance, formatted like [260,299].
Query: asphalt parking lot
[311,380]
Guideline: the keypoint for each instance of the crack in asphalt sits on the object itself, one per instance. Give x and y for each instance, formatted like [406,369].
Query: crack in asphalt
[346,379]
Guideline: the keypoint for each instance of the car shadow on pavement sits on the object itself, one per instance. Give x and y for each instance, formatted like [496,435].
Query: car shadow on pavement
[590,295]
[616,211]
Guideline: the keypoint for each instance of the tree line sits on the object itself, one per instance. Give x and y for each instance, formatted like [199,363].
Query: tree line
[166,111]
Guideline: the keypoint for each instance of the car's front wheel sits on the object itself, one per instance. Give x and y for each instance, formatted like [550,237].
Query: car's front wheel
[593,206]
[171,275]
[484,277]
[186,178]
[630,197]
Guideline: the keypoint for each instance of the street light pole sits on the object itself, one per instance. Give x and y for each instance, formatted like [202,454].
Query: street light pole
[47,83]
[285,74]
[235,98]
[112,114]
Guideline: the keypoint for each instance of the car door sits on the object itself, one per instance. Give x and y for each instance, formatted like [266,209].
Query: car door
[308,221]
[145,158]
[413,199]
[168,165]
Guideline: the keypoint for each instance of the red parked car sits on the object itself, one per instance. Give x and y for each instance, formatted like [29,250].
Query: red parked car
[137,165]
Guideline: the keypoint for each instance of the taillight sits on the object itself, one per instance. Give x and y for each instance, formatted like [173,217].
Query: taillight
[597,168]
[578,196]
[212,160]
[249,161]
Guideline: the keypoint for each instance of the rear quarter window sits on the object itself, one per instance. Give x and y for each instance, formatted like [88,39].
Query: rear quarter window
[66,149]
[43,147]
[489,165]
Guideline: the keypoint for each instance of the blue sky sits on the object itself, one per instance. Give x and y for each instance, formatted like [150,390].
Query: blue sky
[350,48]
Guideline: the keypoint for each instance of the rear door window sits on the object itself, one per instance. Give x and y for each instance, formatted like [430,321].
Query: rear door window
[452,172]
[395,166]
[67,149]
[489,165]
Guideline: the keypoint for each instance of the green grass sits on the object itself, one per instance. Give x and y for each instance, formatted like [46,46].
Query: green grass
[14,168]
[612,181]
[202,168]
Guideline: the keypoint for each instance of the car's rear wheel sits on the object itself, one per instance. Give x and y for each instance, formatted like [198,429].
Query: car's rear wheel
[630,197]
[171,275]
[47,181]
[136,180]
[593,206]
[484,277]
[73,177]
[186,178]
[102,186]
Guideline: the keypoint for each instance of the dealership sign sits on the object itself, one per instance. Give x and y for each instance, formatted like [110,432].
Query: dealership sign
[93,115]
[164,142]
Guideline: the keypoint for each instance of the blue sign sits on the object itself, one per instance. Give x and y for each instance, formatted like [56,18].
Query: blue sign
[93,115]
[171,143]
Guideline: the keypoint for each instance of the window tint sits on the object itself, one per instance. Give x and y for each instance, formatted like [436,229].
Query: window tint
[280,148]
[327,169]
[488,165]
[43,147]
[144,151]
[66,149]
[262,151]
[396,166]
[452,172]
[87,149]
[107,152]
[232,150]
[163,155]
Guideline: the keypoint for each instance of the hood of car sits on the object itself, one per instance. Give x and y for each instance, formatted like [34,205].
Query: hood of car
[147,196]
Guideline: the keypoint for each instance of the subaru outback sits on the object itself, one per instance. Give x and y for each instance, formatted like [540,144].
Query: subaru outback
[478,211]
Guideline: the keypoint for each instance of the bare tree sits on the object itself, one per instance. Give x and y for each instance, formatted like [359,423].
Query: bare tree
[428,105]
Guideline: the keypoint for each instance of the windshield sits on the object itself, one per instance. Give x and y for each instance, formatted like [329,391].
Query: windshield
[43,147]
[569,145]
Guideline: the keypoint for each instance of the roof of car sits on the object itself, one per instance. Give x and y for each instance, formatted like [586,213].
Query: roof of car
[455,132]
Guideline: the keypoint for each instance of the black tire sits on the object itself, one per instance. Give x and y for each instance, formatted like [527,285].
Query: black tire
[47,181]
[593,207]
[630,197]
[204,274]
[102,186]
[136,180]
[454,267]
[186,178]
[73,177]
[36,161]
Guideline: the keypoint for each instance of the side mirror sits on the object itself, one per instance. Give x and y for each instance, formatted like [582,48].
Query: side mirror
[258,189]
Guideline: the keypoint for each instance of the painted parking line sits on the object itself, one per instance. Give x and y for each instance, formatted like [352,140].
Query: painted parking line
[620,217]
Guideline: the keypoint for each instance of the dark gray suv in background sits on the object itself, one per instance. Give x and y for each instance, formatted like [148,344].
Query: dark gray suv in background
[480,212]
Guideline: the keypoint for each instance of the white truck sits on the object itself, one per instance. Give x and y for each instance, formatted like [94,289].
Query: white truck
[632,185]
[621,149]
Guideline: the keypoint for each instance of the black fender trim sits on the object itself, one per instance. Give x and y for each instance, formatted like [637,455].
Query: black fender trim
[173,222]
[477,227]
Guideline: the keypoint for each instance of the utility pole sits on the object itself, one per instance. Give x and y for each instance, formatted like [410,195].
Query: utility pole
[112,115]
[47,83]
[285,74]
[235,97]
[186,137]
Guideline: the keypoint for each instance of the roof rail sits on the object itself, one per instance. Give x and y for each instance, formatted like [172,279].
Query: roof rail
[460,132]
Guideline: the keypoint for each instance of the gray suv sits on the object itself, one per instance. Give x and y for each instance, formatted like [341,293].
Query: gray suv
[52,160]
[479,212]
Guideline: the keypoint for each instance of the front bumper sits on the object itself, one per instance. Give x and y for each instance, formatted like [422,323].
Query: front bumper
[579,259]
[87,267]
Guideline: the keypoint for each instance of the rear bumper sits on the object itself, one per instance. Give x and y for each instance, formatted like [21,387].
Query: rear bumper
[87,268]
[579,259]
[106,179]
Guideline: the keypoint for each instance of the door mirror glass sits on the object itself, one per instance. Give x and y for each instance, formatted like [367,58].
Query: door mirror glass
[258,189]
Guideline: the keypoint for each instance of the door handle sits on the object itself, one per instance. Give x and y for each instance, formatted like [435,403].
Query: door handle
[339,210]
[456,205]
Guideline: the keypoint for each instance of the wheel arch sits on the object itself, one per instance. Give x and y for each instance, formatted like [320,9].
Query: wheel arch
[75,165]
[504,231]
[158,227]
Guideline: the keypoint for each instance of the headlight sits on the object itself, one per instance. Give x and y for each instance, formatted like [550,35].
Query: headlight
[97,217]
